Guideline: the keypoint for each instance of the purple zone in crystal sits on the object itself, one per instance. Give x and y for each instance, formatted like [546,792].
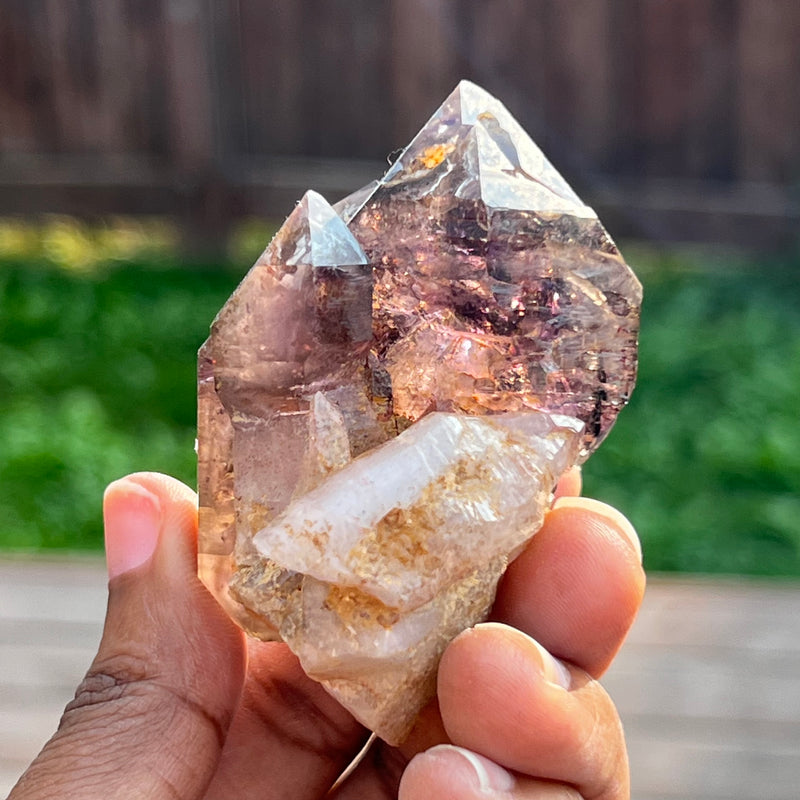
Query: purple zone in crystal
[478,244]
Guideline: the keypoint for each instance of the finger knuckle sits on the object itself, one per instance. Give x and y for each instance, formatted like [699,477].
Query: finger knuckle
[122,688]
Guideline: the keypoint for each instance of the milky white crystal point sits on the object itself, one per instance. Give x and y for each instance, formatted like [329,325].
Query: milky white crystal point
[389,398]
[297,317]
[403,522]
[402,548]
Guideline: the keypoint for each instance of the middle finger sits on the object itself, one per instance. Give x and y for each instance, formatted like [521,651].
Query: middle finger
[502,695]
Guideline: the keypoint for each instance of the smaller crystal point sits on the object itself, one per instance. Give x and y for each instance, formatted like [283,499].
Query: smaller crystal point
[314,235]
[392,393]
[296,318]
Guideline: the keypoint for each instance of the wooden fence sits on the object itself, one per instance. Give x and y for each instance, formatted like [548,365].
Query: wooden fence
[678,118]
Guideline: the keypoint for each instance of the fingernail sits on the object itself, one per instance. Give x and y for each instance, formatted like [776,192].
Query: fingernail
[620,522]
[132,519]
[553,670]
[488,776]
[569,484]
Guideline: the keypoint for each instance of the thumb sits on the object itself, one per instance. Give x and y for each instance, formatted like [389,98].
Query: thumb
[151,715]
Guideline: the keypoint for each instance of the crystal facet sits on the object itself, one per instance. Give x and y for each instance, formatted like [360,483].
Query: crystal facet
[388,399]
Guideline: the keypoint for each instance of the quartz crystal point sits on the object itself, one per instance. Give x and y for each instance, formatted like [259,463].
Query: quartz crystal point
[388,399]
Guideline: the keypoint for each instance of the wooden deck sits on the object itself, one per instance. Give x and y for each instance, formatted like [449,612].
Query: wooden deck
[708,684]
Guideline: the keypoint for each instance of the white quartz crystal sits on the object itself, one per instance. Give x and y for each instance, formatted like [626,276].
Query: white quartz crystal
[372,572]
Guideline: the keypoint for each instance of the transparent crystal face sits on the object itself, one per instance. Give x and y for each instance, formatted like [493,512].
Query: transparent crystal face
[388,399]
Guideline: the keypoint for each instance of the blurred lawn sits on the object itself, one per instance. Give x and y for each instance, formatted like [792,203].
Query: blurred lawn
[97,363]
[706,458]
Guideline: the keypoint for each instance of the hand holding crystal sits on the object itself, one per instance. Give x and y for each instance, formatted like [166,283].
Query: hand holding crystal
[425,360]
[178,705]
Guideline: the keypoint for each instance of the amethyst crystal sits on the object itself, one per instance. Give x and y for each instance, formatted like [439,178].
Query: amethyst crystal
[388,399]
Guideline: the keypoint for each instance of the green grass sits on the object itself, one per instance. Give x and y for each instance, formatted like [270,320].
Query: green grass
[97,380]
[706,458]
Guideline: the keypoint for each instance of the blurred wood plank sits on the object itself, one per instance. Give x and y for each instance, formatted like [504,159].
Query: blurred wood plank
[666,70]
[188,85]
[26,94]
[579,88]
[710,141]
[270,38]
[507,53]
[768,100]
[425,61]
[708,684]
